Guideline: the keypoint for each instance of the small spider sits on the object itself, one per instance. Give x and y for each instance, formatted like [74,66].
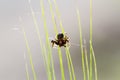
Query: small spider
[61,40]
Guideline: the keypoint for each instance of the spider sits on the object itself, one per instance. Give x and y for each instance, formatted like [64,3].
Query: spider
[61,40]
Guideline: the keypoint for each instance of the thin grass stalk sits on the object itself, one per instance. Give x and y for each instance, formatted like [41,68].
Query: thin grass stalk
[81,44]
[95,65]
[36,25]
[46,62]
[90,39]
[92,55]
[59,16]
[40,41]
[50,58]
[30,56]
[90,61]
[91,20]
[26,65]
[71,64]
[86,60]
[53,17]
[27,73]
[61,64]
[26,68]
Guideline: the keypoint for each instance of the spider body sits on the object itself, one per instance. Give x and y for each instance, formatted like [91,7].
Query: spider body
[61,40]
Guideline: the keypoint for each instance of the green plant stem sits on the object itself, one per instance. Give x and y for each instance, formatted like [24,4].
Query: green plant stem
[86,59]
[41,45]
[26,68]
[69,65]
[81,44]
[61,64]
[30,56]
[95,65]
[72,67]
[50,58]
[90,39]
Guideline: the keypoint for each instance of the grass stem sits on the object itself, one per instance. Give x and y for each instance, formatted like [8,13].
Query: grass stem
[30,56]
[81,44]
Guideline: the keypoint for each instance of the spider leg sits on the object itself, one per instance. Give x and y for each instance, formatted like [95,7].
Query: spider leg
[52,42]
[64,45]
[67,43]
[67,40]
[66,37]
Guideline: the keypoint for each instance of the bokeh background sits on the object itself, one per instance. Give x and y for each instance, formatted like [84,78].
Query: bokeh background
[106,37]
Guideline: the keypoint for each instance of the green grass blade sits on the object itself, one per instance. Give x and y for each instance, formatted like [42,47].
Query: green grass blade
[41,45]
[61,64]
[26,68]
[36,25]
[27,73]
[90,61]
[59,16]
[30,56]
[86,59]
[81,44]
[91,20]
[71,64]
[46,63]
[90,39]
[53,17]
[95,65]
[50,58]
